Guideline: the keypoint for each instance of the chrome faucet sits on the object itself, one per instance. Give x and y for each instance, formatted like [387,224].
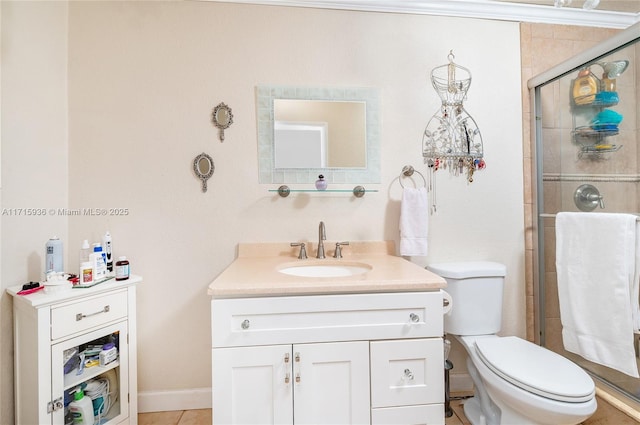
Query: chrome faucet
[322,236]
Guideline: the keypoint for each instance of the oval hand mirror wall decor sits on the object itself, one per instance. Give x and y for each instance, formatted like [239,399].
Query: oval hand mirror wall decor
[222,118]
[203,167]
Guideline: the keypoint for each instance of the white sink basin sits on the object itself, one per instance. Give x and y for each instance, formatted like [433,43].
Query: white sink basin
[326,270]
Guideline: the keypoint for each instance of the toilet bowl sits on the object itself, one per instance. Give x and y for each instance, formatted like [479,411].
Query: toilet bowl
[516,382]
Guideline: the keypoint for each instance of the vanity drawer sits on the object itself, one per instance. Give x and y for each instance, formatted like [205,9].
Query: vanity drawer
[73,317]
[318,318]
[407,372]
[429,414]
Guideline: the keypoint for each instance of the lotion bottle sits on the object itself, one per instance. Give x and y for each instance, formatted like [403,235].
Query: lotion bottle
[81,408]
[98,263]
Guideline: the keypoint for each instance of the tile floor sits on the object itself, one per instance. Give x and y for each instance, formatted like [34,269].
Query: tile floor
[605,415]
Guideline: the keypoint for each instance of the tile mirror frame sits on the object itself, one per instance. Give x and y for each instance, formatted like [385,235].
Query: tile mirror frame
[265,96]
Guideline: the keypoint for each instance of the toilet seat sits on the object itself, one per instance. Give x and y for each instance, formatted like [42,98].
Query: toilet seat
[535,369]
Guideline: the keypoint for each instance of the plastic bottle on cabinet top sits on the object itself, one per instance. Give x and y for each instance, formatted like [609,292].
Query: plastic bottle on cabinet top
[85,251]
[122,268]
[106,243]
[54,262]
[98,262]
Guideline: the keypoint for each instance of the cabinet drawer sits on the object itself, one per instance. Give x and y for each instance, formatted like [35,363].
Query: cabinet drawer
[431,414]
[319,318]
[69,318]
[407,372]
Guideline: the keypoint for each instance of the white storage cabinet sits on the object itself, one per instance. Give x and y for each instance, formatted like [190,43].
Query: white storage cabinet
[330,359]
[48,326]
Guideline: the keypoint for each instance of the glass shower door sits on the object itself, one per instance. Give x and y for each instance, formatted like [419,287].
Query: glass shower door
[587,160]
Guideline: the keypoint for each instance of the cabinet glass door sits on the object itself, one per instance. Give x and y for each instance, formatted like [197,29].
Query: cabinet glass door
[98,363]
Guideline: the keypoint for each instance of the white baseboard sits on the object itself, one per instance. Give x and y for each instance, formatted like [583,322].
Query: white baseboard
[201,398]
[162,401]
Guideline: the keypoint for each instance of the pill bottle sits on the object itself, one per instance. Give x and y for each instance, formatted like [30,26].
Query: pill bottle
[86,272]
[108,354]
[122,268]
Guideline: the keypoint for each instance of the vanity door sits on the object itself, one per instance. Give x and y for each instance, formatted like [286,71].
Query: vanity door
[331,383]
[252,385]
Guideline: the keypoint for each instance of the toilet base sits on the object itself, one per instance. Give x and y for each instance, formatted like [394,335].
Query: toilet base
[473,412]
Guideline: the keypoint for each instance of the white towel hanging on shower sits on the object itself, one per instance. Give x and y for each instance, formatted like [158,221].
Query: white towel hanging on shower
[597,262]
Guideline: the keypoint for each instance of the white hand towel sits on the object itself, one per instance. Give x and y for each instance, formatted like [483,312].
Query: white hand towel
[596,262]
[414,222]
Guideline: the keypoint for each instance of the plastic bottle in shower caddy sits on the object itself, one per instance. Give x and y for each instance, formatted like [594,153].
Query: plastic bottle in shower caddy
[106,243]
[585,88]
[53,257]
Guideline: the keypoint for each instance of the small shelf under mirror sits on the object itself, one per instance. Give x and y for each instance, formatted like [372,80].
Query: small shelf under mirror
[357,191]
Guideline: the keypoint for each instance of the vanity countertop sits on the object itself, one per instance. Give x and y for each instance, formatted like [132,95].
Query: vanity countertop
[255,273]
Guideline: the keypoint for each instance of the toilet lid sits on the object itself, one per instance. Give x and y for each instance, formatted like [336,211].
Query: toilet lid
[535,369]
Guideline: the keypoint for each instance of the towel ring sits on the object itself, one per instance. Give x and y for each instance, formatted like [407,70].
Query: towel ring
[408,171]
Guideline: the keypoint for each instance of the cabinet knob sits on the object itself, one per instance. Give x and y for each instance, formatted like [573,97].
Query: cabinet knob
[286,357]
[297,357]
[408,374]
[286,378]
[245,324]
[297,378]
[414,318]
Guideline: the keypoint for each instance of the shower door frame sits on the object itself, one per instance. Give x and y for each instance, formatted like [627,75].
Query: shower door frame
[621,40]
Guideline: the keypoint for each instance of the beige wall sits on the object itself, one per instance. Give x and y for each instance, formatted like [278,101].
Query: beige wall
[34,153]
[143,78]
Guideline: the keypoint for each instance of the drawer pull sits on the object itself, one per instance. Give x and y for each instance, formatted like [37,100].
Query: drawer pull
[286,378]
[297,357]
[81,316]
[245,324]
[414,318]
[297,378]
[286,357]
[408,374]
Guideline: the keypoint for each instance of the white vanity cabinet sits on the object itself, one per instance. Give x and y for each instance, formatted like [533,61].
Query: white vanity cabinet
[368,358]
[48,328]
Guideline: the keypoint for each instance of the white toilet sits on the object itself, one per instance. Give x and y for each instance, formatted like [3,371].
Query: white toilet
[516,382]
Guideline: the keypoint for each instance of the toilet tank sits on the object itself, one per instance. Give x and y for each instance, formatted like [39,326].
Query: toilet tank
[476,292]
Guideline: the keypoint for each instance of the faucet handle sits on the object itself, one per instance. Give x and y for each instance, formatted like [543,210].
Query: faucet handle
[303,251]
[338,252]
